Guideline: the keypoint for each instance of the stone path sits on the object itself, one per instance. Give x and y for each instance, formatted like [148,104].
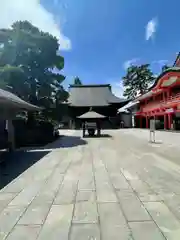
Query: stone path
[115,187]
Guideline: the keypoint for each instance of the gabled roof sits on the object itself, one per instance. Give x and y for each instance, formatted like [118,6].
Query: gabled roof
[128,106]
[8,99]
[149,92]
[91,115]
[177,61]
[92,95]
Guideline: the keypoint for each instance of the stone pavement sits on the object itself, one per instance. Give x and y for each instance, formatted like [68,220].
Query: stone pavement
[119,186]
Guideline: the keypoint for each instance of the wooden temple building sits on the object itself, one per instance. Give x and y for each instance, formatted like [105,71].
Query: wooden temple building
[10,106]
[162,101]
[94,98]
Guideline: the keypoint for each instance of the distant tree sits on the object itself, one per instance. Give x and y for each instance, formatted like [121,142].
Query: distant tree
[165,67]
[137,80]
[77,81]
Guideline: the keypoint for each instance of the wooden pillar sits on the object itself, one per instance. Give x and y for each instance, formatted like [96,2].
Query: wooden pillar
[165,121]
[140,121]
[169,121]
[11,137]
[147,125]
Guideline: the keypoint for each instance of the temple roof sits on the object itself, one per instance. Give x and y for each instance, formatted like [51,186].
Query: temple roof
[91,115]
[166,83]
[128,106]
[8,99]
[93,95]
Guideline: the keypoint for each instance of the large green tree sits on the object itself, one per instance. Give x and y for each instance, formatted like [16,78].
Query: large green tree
[30,64]
[137,80]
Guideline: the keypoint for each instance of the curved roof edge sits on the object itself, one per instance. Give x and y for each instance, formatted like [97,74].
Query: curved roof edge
[14,101]
[149,92]
[171,69]
[88,85]
[93,95]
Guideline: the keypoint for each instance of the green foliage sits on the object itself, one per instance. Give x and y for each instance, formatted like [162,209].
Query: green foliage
[77,81]
[137,80]
[165,67]
[30,64]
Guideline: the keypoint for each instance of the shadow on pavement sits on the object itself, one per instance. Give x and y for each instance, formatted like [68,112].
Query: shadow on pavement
[101,136]
[68,142]
[16,163]
[61,142]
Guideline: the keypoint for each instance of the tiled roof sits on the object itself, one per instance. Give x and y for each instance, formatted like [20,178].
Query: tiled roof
[91,115]
[11,100]
[93,95]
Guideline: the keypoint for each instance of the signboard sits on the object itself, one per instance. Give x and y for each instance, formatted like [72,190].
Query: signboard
[152,130]
[169,110]
[133,121]
[152,125]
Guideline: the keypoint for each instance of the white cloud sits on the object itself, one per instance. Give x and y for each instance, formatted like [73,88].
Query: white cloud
[130,62]
[151,28]
[160,62]
[34,12]
[117,88]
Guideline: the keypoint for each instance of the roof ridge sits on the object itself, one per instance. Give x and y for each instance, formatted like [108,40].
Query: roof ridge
[89,85]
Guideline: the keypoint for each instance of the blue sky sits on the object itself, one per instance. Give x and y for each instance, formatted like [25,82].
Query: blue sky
[99,38]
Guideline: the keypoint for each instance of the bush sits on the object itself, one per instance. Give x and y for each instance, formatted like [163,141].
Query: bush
[38,133]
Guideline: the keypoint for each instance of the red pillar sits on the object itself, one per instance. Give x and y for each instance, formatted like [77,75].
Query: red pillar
[147,122]
[140,121]
[169,120]
[165,121]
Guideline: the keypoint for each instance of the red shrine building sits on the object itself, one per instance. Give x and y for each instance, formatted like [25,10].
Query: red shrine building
[162,101]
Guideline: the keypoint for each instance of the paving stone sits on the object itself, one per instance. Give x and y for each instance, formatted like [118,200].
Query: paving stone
[5,199]
[57,224]
[85,212]
[35,214]
[62,168]
[86,196]
[104,189]
[113,163]
[129,175]
[49,190]
[105,193]
[17,185]
[86,181]
[21,232]
[173,203]
[112,222]
[144,192]
[25,197]
[149,197]
[67,193]
[145,230]
[119,181]
[132,207]
[164,218]
[8,218]
[85,232]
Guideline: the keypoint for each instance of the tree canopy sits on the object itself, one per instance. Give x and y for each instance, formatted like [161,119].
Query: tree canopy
[77,81]
[165,67]
[30,64]
[137,80]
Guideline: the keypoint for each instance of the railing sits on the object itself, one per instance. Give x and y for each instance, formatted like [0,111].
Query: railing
[160,104]
[171,99]
[151,106]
